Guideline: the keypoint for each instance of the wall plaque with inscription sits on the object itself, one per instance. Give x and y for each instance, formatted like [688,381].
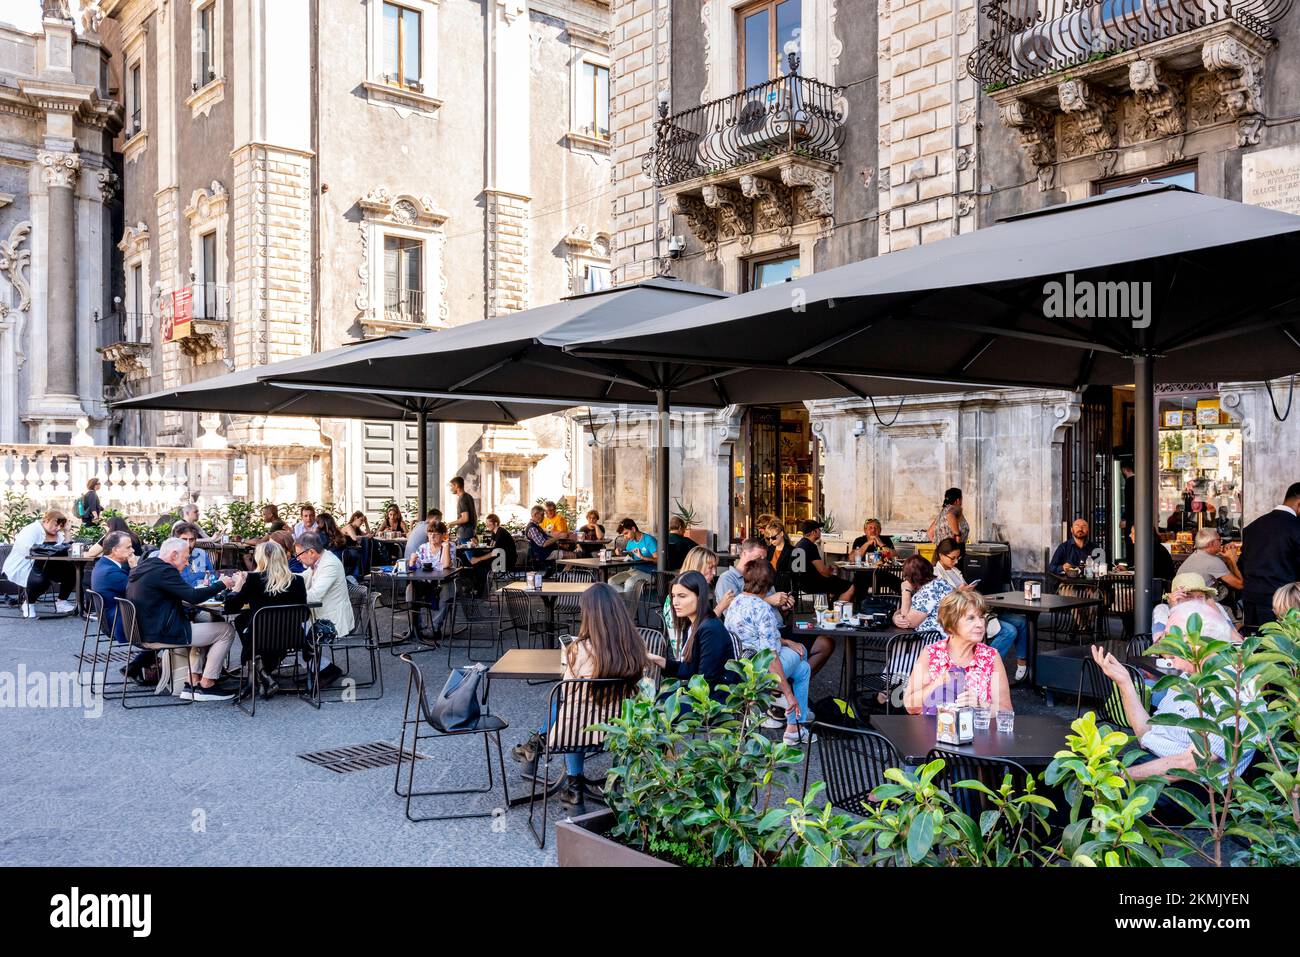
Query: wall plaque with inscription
[1271,178]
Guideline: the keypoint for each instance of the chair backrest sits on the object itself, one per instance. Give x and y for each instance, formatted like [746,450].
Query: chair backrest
[578,703]
[518,607]
[105,616]
[903,650]
[1138,645]
[655,644]
[960,766]
[576,575]
[391,589]
[1096,687]
[1122,593]
[279,628]
[854,762]
[126,609]
[362,606]
[632,596]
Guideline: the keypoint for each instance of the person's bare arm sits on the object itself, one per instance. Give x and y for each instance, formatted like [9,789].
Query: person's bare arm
[1175,762]
[918,687]
[1134,710]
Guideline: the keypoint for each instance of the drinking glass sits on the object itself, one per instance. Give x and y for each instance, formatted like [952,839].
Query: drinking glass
[983,715]
[820,604]
[1006,722]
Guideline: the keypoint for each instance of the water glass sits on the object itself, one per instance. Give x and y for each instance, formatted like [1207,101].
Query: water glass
[983,716]
[1006,722]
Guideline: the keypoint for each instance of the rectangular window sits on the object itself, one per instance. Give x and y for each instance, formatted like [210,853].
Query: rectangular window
[593,100]
[402,50]
[769,272]
[1184,176]
[403,279]
[767,32]
[137,325]
[209,299]
[207,71]
[595,277]
[133,101]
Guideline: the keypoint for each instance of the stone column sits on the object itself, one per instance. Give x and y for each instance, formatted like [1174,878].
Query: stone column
[60,173]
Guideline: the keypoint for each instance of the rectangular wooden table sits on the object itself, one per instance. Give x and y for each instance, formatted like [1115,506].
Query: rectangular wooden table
[549,593]
[1033,743]
[606,569]
[526,664]
[1016,603]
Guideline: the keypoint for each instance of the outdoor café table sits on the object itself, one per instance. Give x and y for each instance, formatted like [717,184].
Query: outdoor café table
[549,593]
[1016,603]
[526,664]
[1033,743]
[848,569]
[848,638]
[79,563]
[606,569]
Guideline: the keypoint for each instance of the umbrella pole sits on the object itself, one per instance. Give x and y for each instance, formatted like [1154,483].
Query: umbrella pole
[661,463]
[422,462]
[1144,487]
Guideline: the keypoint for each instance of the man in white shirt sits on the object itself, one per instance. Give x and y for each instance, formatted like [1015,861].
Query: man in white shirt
[1212,561]
[326,583]
[306,521]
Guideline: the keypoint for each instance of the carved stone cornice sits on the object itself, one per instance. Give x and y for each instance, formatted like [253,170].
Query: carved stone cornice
[773,206]
[401,209]
[110,184]
[135,240]
[1159,95]
[207,204]
[132,360]
[1240,77]
[1037,129]
[1094,111]
[59,170]
[206,341]
[735,213]
[700,219]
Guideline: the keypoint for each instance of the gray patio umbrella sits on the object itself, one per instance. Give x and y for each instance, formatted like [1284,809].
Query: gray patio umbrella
[246,393]
[1145,282]
[523,355]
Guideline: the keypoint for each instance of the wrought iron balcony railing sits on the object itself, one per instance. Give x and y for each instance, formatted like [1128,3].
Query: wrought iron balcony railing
[791,115]
[132,328]
[1028,39]
[211,300]
[404,305]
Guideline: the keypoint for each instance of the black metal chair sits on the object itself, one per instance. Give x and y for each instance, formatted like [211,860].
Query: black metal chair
[277,631]
[566,606]
[655,644]
[130,628]
[362,637]
[417,711]
[576,704]
[877,674]
[472,609]
[391,590]
[1137,645]
[524,615]
[853,764]
[961,766]
[104,620]
[1094,686]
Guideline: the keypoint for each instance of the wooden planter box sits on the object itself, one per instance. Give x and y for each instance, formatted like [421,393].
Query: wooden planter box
[581,842]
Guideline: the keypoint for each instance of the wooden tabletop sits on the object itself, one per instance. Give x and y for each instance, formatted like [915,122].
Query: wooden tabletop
[881,634]
[1033,743]
[420,576]
[550,588]
[1016,601]
[66,558]
[595,562]
[529,664]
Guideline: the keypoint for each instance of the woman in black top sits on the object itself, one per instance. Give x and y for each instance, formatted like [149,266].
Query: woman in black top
[90,507]
[709,646]
[271,584]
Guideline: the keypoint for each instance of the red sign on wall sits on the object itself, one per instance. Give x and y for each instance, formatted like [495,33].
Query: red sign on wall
[182,314]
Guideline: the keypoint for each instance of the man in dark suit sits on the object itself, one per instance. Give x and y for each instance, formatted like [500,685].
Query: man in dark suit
[1126,512]
[1270,557]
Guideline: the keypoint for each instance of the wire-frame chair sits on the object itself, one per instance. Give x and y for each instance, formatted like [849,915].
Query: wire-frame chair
[1094,686]
[962,766]
[416,712]
[876,673]
[853,764]
[566,606]
[364,636]
[1121,597]
[104,619]
[1138,645]
[391,592]
[1078,625]
[131,628]
[575,704]
[277,630]
[471,609]
[655,644]
[522,614]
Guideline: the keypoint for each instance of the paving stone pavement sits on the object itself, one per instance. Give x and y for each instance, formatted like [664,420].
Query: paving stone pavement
[206,785]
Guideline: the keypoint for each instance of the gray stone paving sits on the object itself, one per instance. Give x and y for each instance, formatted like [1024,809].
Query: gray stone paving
[207,785]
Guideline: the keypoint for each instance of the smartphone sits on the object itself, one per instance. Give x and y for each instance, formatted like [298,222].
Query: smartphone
[975,582]
[566,640]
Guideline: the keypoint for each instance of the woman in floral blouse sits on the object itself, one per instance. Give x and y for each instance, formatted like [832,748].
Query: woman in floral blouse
[756,625]
[960,668]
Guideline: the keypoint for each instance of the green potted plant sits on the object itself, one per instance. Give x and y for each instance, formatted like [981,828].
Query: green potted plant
[691,519]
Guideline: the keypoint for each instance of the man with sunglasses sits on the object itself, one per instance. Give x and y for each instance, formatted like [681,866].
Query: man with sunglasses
[326,583]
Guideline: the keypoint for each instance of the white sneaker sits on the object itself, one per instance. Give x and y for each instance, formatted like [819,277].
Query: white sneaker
[65,607]
[772,723]
[1021,671]
[798,737]
[28,610]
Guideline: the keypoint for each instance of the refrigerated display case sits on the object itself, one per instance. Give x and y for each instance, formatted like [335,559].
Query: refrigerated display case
[1200,455]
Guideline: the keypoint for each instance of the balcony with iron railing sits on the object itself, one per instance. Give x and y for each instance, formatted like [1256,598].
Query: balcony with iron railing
[205,340]
[760,159]
[1091,77]
[126,340]
[402,309]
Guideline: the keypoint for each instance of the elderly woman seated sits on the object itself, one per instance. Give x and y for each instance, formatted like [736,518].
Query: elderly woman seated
[960,668]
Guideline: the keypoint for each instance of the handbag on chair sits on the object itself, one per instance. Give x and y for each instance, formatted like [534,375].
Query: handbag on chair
[457,707]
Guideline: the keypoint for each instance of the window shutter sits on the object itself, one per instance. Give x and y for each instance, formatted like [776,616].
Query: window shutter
[392,272]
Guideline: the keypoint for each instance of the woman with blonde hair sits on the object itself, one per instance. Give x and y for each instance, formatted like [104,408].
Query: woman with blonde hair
[270,584]
[1286,598]
[960,668]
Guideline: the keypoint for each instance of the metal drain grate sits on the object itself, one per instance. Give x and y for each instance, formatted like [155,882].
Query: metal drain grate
[103,657]
[356,757]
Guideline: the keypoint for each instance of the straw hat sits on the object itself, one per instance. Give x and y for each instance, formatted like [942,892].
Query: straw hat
[1191,583]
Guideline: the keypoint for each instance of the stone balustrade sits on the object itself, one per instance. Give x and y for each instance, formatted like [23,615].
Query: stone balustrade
[140,482]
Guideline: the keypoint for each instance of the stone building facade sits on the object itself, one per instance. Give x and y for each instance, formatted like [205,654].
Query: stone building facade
[918,120]
[314,172]
[58,208]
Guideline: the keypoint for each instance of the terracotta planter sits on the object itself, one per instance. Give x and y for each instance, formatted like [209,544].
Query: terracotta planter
[700,536]
[581,842]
